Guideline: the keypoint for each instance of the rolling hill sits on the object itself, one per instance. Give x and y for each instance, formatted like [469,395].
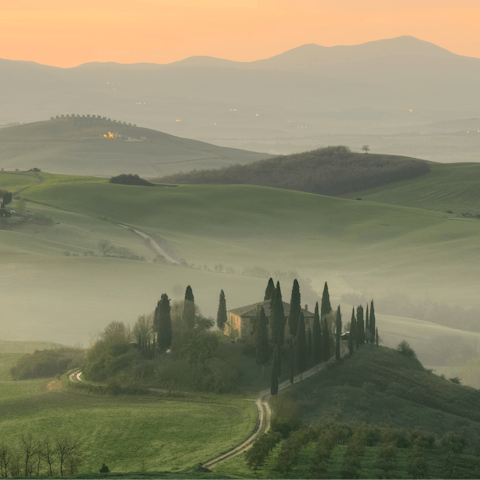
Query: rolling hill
[77,145]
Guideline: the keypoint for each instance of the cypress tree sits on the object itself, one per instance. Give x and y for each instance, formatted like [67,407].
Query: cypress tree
[262,352]
[222,311]
[301,346]
[163,322]
[338,333]
[360,325]
[326,306]
[372,320]
[269,290]
[274,380]
[188,315]
[278,324]
[309,346]
[325,340]
[295,308]
[353,329]
[376,337]
[317,338]
[367,327]
[292,361]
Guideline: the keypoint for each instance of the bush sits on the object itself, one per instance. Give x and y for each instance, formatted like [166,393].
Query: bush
[257,454]
[129,179]
[286,415]
[405,349]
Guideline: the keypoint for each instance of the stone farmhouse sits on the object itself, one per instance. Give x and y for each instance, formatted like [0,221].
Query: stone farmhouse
[240,320]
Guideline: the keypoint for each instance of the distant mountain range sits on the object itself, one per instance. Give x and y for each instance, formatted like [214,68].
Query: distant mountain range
[310,90]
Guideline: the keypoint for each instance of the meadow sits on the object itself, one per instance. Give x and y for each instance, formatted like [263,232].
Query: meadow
[129,433]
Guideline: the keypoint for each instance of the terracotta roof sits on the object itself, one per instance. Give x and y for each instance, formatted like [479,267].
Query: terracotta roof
[251,310]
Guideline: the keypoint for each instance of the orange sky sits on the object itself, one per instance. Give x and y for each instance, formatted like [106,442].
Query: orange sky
[66,34]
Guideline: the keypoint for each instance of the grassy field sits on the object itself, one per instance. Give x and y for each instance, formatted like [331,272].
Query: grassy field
[448,187]
[127,433]
[13,182]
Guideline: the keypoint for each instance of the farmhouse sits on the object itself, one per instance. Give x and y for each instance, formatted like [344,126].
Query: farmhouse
[240,320]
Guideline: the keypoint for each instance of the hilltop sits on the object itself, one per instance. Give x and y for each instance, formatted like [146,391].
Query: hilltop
[326,171]
[95,145]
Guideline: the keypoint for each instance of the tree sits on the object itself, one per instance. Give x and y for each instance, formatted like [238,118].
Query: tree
[163,323]
[353,328]
[301,346]
[292,361]
[188,315]
[366,148]
[262,353]
[338,333]
[372,320]
[269,290]
[222,312]
[143,331]
[274,381]
[309,346]
[325,340]
[106,247]
[376,337]
[326,306]
[48,453]
[66,447]
[7,198]
[360,326]
[367,326]
[295,309]
[317,338]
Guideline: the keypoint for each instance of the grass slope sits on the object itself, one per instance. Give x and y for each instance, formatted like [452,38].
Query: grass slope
[448,187]
[77,146]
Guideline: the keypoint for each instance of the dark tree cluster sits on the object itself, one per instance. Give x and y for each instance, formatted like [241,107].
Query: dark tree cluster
[130,179]
[326,171]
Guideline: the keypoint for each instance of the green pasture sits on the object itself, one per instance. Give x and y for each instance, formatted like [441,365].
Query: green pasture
[13,182]
[448,187]
[130,433]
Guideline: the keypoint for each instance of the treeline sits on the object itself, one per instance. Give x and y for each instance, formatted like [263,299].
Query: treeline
[326,171]
[173,348]
[34,457]
[423,447]
[130,179]
[48,363]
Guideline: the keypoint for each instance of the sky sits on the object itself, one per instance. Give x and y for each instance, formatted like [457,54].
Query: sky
[66,34]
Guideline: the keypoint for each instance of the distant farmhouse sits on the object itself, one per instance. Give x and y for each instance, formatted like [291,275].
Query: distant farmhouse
[240,320]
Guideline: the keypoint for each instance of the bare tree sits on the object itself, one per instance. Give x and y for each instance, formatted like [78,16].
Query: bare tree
[5,456]
[66,447]
[106,247]
[366,148]
[48,452]
[28,446]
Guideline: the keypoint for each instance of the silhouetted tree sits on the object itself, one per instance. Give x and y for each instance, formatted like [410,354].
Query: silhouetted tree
[278,324]
[274,380]
[325,340]
[338,333]
[317,338]
[366,148]
[7,198]
[188,315]
[376,337]
[295,308]
[301,346]
[367,327]
[326,306]
[372,320]
[222,312]
[360,326]
[353,327]
[163,323]
[269,291]
[292,361]
[262,353]
[309,346]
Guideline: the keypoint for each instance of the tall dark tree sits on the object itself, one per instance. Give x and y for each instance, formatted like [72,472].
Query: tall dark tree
[317,338]
[353,331]
[163,323]
[292,361]
[278,325]
[367,327]
[274,380]
[222,312]
[360,325]
[326,306]
[309,346]
[325,340]
[269,290]
[338,333]
[295,308]
[188,315]
[7,198]
[372,320]
[376,337]
[301,346]
[262,352]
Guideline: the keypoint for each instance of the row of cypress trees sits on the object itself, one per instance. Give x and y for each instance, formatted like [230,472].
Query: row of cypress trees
[362,329]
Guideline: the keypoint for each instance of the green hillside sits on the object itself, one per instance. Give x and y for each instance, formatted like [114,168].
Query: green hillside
[447,188]
[76,145]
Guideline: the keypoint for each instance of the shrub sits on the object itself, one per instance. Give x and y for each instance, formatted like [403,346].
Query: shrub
[129,179]
[286,415]
[405,349]
[257,454]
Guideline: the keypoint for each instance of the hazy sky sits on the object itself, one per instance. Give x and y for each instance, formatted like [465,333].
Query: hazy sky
[62,33]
